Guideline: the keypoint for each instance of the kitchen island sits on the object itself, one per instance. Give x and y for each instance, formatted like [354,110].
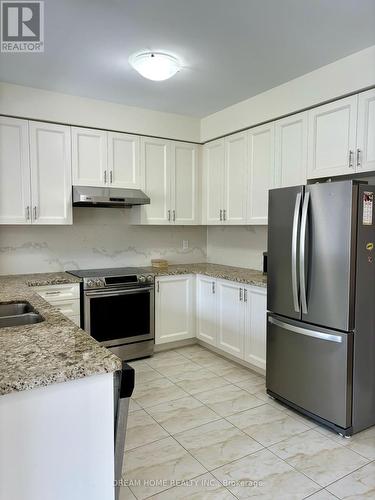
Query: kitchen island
[56,395]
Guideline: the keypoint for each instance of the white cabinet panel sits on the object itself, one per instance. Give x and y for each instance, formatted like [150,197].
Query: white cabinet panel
[262,171]
[365,154]
[230,317]
[207,310]
[52,293]
[332,138]
[50,173]
[213,182]
[156,168]
[123,160]
[89,157]
[174,314]
[235,183]
[184,185]
[256,325]
[291,150]
[15,194]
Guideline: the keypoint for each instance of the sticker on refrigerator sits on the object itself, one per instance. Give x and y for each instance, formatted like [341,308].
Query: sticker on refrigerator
[368,201]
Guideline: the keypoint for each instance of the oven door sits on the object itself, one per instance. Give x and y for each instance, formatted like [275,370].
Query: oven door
[117,317]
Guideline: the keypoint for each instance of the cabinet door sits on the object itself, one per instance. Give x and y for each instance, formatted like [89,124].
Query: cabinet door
[291,150]
[156,168]
[51,179]
[213,182]
[256,326]
[123,160]
[14,172]
[235,184]
[332,138]
[174,312]
[206,310]
[262,171]
[365,154]
[184,191]
[89,157]
[230,307]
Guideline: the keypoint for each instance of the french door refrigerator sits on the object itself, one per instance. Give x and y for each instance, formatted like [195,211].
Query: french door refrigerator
[321,302]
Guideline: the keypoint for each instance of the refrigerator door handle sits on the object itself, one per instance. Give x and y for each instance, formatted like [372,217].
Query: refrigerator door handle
[304,331]
[302,253]
[297,207]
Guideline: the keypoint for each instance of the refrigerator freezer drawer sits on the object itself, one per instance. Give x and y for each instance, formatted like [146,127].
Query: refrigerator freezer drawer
[311,367]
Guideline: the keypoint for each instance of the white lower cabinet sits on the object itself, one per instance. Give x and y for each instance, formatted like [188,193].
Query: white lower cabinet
[174,308]
[206,309]
[256,326]
[65,298]
[230,317]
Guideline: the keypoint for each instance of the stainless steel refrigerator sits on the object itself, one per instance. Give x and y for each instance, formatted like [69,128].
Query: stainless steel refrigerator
[321,302]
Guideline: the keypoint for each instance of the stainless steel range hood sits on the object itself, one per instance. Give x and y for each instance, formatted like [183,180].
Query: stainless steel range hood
[84,196]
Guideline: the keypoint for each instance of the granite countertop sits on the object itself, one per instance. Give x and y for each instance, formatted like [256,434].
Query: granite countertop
[55,350]
[239,274]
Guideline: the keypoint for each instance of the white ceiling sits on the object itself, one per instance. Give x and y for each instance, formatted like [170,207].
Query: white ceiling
[231,49]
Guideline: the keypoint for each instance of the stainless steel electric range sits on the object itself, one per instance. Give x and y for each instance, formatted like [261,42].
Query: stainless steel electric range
[117,309]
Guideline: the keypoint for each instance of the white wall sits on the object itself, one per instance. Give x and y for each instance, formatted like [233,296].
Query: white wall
[241,246]
[344,76]
[98,238]
[39,104]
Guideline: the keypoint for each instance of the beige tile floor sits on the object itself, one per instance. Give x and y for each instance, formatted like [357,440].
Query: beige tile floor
[201,427]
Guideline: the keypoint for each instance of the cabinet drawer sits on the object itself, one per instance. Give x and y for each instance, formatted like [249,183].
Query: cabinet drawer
[54,293]
[68,307]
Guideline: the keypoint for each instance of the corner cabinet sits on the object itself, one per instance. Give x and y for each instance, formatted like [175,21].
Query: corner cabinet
[35,172]
[365,154]
[174,308]
[206,309]
[170,177]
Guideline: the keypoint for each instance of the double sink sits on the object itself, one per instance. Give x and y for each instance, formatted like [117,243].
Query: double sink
[18,314]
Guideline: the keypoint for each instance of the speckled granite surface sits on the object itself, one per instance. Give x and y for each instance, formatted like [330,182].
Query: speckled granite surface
[240,274]
[55,350]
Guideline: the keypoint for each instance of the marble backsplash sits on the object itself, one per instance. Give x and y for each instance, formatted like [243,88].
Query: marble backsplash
[98,238]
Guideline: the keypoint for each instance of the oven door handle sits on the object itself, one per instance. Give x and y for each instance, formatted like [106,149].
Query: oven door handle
[111,293]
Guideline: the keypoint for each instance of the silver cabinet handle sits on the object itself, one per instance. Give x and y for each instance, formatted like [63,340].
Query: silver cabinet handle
[213,287]
[57,292]
[169,216]
[105,176]
[35,213]
[351,154]
[304,331]
[359,157]
[302,253]
[158,287]
[224,214]
[174,215]
[240,294]
[110,176]
[245,295]
[297,208]
[221,214]
[27,212]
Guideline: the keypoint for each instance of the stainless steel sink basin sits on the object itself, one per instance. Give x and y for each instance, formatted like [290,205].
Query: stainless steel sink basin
[22,319]
[18,314]
[15,309]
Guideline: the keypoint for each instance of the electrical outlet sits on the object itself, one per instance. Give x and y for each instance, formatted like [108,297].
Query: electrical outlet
[185,244]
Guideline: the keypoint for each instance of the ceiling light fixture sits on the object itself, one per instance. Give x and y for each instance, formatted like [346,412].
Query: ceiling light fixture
[155,65]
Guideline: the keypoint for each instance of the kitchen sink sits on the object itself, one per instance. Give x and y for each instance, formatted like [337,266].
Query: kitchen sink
[15,308]
[18,314]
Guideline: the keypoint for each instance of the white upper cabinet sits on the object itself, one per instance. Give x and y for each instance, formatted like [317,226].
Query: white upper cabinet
[332,138]
[89,157]
[174,312]
[230,318]
[262,171]
[213,182]
[235,183]
[15,195]
[256,326]
[365,154]
[291,150]
[184,183]
[51,182]
[156,169]
[206,310]
[123,160]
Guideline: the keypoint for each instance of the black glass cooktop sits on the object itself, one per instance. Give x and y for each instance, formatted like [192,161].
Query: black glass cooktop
[111,271]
